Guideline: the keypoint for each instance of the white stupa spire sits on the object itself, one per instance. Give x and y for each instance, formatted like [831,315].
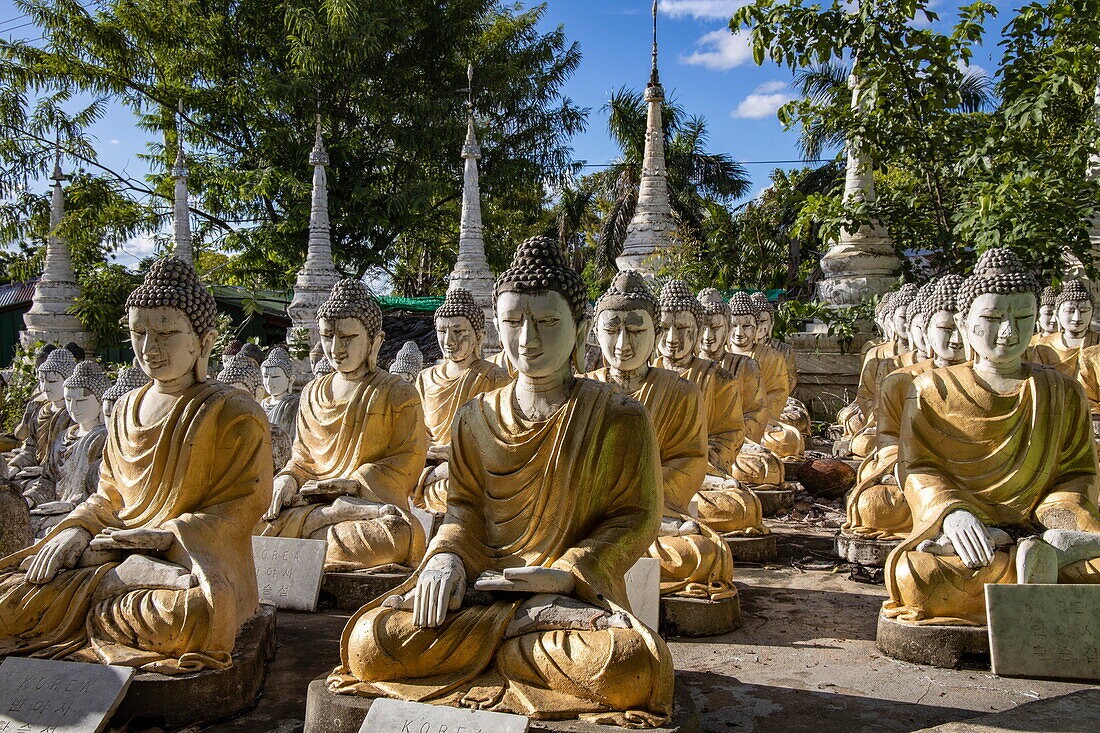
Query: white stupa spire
[652,229]
[182,246]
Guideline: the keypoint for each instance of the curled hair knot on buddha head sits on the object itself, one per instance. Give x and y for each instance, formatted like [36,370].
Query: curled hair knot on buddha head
[998,272]
[459,302]
[713,303]
[741,304]
[352,299]
[676,296]
[90,376]
[945,294]
[628,291]
[129,379]
[173,283]
[761,303]
[1072,292]
[539,266]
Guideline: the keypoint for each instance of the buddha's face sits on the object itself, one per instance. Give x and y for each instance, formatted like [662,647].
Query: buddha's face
[916,334]
[716,329]
[538,331]
[626,338]
[51,385]
[900,324]
[165,342]
[743,330]
[1074,317]
[999,327]
[405,376]
[107,407]
[677,334]
[1048,319]
[82,405]
[764,322]
[276,380]
[943,337]
[348,345]
[457,338]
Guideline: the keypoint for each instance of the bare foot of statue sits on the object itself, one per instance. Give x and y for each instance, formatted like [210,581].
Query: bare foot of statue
[141,572]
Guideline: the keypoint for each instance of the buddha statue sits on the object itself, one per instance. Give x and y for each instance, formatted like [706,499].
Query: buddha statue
[1060,350]
[154,570]
[44,422]
[853,417]
[322,367]
[695,561]
[1047,322]
[723,503]
[243,372]
[990,450]
[129,379]
[447,386]
[358,451]
[409,361]
[545,630]
[281,402]
[794,414]
[71,473]
[876,507]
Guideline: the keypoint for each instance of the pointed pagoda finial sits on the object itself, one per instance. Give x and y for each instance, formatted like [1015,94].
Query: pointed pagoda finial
[470,147]
[318,156]
[654,78]
[181,209]
[57,175]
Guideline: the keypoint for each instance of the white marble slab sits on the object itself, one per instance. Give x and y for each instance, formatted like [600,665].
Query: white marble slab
[1044,630]
[46,696]
[398,716]
[288,571]
[643,588]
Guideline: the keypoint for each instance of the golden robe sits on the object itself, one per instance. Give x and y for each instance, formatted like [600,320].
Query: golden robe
[1021,462]
[784,440]
[878,361]
[1052,351]
[203,473]
[41,425]
[698,565]
[1088,374]
[747,373]
[377,438]
[592,467]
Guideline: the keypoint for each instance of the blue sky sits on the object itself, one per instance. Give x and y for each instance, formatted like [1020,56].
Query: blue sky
[707,70]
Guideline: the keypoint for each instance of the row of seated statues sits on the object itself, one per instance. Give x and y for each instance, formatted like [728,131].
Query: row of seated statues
[973,421]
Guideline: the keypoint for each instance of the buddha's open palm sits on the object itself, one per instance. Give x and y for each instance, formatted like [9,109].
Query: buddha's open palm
[150,540]
[533,579]
[60,553]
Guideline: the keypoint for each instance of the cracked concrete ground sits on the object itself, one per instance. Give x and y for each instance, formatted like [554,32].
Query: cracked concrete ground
[804,660]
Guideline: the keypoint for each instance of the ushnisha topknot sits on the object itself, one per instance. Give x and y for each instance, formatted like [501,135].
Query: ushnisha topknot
[918,309]
[713,302]
[59,361]
[352,299]
[539,266]
[1000,272]
[459,302]
[885,304]
[677,296]
[1073,291]
[241,369]
[279,358]
[90,376]
[128,380]
[41,355]
[322,367]
[741,304]
[173,283]
[903,298]
[945,295]
[409,359]
[628,291]
[761,303]
[1049,296]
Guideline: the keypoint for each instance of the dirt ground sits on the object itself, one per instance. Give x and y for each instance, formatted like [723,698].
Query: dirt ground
[804,660]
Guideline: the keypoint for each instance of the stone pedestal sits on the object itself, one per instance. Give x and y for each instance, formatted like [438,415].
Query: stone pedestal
[828,371]
[327,712]
[774,502]
[349,591]
[936,646]
[864,551]
[751,549]
[178,701]
[696,617]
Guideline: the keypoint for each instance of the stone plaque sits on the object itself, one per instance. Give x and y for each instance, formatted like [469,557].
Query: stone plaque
[397,716]
[1044,630]
[643,588]
[45,696]
[288,571]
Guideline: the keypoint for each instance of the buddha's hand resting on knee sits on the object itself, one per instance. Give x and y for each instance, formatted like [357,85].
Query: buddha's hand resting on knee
[676,527]
[439,588]
[969,537]
[531,579]
[285,489]
[58,554]
[149,540]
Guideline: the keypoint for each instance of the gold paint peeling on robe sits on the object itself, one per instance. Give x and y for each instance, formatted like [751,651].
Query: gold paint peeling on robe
[203,472]
[592,467]
[375,437]
[1022,462]
[698,565]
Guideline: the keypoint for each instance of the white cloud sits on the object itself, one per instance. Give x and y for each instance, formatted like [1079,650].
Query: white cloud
[704,9]
[720,50]
[966,68]
[763,102]
[115,142]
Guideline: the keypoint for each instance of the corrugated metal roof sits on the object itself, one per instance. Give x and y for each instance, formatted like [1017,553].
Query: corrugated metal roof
[17,293]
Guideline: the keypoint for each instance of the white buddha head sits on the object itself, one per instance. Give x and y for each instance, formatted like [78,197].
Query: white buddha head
[277,373]
[744,326]
[350,323]
[408,363]
[84,393]
[679,323]
[52,373]
[626,322]
[945,341]
[459,327]
[1074,309]
[130,378]
[716,324]
[765,316]
[1047,322]
[997,308]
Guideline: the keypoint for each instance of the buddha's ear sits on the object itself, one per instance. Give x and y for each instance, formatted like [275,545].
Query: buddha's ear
[206,348]
[375,347]
[584,327]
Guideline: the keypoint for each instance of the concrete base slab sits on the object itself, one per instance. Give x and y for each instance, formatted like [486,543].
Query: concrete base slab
[696,617]
[936,646]
[863,551]
[327,712]
[775,501]
[176,701]
[349,591]
[1076,712]
[751,549]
